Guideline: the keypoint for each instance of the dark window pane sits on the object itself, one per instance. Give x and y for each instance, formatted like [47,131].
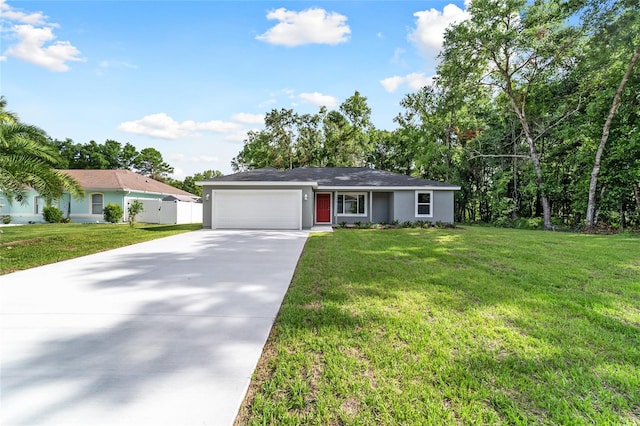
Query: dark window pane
[424,209]
[424,198]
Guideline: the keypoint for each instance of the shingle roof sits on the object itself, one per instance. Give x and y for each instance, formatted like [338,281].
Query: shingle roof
[331,176]
[122,180]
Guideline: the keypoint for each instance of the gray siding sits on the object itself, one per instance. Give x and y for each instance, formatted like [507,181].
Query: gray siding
[381,207]
[404,205]
[308,206]
[443,206]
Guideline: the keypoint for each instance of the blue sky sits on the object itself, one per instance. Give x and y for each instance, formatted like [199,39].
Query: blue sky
[190,78]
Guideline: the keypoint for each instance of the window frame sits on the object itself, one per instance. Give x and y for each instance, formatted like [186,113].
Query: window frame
[357,195]
[418,204]
[91,203]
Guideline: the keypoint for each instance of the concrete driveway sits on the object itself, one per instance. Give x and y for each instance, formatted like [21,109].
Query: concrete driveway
[166,332]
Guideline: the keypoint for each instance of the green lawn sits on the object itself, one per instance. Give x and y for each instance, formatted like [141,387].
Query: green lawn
[23,247]
[464,326]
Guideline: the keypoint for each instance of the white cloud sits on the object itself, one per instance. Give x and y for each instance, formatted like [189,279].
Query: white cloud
[431,25]
[391,84]
[36,41]
[414,81]
[318,99]
[10,14]
[397,56]
[312,25]
[417,80]
[118,64]
[163,126]
[248,118]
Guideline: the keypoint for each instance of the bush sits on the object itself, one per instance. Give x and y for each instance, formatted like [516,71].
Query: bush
[134,209]
[113,213]
[6,219]
[52,214]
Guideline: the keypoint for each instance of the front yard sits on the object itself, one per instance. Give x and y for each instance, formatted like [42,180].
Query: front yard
[461,326]
[27,246]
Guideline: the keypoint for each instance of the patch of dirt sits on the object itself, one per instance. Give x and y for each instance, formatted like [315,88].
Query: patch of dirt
[351,407]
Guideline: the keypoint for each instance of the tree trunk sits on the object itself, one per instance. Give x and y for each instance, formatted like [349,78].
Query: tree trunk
[617,99]
[546,206]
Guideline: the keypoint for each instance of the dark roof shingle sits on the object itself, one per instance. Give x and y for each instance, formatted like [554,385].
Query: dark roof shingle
[330,176]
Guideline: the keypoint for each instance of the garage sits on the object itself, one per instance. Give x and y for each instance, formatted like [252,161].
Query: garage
[257,209]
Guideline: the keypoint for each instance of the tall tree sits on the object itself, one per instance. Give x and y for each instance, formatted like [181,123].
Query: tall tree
[150,163]
[28,160]
[512,46]
[615,37]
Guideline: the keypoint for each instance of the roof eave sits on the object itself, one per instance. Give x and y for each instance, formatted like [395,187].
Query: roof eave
[258,183]
[387,188]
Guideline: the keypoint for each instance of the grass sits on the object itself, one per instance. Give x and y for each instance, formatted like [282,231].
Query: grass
[23,247]
[463,326]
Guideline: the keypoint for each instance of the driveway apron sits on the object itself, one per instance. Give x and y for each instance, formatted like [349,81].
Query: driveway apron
[166,332]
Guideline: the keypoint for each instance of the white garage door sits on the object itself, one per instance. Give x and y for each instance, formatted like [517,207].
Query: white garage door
[250,209]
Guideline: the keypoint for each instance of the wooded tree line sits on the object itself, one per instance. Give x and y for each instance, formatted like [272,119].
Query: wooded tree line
[534,113]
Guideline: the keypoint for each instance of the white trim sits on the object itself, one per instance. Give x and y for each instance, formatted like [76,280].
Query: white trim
[251,184]
[358,193]
[430,203]
[387,188]
[315,208]
[91,194]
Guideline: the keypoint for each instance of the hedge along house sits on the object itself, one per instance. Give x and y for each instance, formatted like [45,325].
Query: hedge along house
[101,188]
[309,196]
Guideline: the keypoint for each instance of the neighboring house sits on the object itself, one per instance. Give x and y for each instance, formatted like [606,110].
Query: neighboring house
[111,186]
[308,196]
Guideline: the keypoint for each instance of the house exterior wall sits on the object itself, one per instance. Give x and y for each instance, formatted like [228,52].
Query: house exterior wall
[79,211]
[381,207]
[443,206]
[404,206]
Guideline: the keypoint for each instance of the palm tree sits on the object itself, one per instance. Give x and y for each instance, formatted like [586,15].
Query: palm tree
[28,160]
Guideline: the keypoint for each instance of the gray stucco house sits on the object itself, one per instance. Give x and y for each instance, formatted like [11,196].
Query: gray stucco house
[309,196]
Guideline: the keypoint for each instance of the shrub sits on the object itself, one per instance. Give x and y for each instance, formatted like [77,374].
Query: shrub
[134,209]
[52,214]
[6,219]
[406,224]
[357,224]
[342,224]
[113,213]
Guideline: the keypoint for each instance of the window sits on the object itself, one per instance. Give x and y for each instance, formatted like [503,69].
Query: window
[97,201]
[423,203]
[354,204]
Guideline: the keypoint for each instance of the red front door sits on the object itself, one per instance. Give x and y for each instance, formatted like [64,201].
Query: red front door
[323,208]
